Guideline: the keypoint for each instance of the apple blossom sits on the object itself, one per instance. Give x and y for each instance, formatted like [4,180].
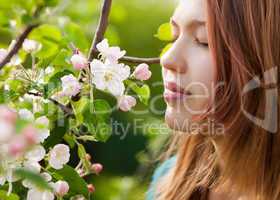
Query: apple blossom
[17,147]
[30,135]
[7,114]
[31,46]
[79,61]
[36,193]
[70,85]
[109,76]
[142,72]
[33,157]
[6,131]
[61,188]
[59,156]
[126,102]
[111,54]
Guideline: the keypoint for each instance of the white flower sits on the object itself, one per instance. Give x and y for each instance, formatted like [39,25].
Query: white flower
[112,54]
[26,114]
[36,194]
[42,122]
[61,188]
[109,76]
[31,46]
[33,157]
[42,135]
[59,156]
[6,131]
[36,154]
[126,102]
[70,85]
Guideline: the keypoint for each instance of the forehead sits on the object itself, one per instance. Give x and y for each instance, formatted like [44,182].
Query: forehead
[190,10]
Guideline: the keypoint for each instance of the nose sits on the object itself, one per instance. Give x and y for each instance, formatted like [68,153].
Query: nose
[174,59]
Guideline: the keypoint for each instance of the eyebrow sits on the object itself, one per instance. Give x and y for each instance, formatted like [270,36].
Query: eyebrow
[190,24]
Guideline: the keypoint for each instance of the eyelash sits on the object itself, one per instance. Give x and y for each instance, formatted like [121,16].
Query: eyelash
[196,40]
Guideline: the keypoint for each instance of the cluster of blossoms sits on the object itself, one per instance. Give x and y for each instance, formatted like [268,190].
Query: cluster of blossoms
[22,134]
[21,138]
[107,74]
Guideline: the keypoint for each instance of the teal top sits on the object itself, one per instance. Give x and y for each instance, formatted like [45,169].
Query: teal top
[159,172]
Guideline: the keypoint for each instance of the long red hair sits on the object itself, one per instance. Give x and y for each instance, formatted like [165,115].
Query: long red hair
[244,40]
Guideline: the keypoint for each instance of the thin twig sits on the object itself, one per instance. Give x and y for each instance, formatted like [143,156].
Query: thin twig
[140,60]
[101,28]
[67,111]
[18,44]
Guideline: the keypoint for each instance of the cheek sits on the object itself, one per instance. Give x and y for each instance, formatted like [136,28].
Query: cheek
[202,74]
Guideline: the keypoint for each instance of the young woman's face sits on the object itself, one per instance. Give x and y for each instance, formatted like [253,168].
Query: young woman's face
[187,65]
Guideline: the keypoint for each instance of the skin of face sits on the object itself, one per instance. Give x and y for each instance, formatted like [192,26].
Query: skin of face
[188,64]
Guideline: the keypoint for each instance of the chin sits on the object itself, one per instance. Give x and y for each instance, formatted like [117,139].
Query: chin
[178,119]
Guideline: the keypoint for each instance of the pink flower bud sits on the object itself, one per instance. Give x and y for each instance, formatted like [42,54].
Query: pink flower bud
[7,114]
[61,188]
[91,188]
[30,135]
[96,168]
[79,61]
[126,102]
[142,72]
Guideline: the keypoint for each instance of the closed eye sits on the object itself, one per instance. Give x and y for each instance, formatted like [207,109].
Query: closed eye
[203,44]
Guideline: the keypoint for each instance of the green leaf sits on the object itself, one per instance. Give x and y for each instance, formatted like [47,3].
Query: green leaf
[50,37]
[143,92]
[76,183]
[103,131]
[75,34]
[78,107]
[88,138]
[3,196]
[55,82]
[82,155]
[96,116]
[51,3]
[164,32]
[34,178]
[70,140]
[62,58]
[57,133]
[102,109]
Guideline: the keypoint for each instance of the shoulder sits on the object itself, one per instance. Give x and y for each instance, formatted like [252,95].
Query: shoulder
[160,171]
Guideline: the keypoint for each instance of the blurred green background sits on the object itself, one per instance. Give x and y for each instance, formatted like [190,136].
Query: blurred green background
[128,161]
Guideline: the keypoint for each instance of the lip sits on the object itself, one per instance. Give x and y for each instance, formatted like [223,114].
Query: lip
[174,92]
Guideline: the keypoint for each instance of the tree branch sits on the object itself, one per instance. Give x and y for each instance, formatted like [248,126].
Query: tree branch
[67,111]
[140,60]
[101,28]
[18,44]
